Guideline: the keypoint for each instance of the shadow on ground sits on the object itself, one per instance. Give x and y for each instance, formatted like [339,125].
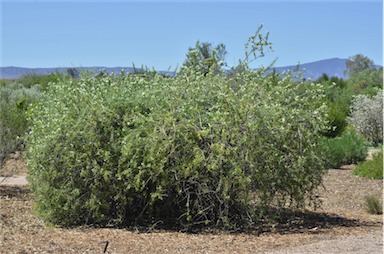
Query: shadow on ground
[288,221]
[15,192]
[292,222]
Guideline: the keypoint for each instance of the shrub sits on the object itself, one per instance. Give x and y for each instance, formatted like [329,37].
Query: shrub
[348,148]
[5,82]
[338,99]
[184,151]
[373,205]
[189,151]
[367,116]
[337,119]
[366,82]
[15,99]
[372,169]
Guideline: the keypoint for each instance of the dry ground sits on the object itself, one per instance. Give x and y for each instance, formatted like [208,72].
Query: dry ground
[341,226]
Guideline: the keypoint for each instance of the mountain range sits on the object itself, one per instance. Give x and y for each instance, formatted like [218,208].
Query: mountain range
[313,70]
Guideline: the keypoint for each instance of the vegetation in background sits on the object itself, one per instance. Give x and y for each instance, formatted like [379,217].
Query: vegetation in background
[347,106]
[5,82]
[16,96]
[366,82]
[338,100]
[372,169]
[364,77]
[203,58]
[15,99]
[367,116]
[30,80]
[73,73]
[348,148]
[358,63]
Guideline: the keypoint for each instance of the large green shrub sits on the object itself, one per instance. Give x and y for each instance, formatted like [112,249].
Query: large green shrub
[14,100]
[184,151]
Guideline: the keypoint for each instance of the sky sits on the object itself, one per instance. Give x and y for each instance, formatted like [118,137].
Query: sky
[157,34]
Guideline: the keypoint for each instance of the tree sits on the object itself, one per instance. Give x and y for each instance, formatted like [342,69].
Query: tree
[324,77]
[366,82]
[358,63]
[73,72]
[204,58]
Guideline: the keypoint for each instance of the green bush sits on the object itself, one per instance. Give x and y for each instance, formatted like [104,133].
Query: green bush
[366,82]
[348,148]
[184,151]
[338,99]
[198,149]
[372,169]
[337,115]
[15,99]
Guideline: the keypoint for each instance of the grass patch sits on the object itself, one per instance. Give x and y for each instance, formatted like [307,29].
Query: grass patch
[373,205]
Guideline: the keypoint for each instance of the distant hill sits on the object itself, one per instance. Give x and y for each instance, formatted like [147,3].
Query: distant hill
[313,70]
[16,72]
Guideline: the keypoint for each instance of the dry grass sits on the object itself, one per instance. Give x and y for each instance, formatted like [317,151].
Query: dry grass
[343,213]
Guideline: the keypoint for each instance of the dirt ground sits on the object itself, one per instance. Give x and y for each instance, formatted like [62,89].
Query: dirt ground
[342,225]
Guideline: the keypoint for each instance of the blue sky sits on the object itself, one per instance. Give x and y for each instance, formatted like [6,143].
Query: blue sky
[158,33]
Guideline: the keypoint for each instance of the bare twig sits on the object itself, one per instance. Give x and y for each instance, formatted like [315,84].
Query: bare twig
[106,245]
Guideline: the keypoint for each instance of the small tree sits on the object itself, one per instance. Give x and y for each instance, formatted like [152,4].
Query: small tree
[358,63]
[204,58]
[367,116]
[73,72]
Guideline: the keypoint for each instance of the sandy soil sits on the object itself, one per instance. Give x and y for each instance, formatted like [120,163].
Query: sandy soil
[342,225]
